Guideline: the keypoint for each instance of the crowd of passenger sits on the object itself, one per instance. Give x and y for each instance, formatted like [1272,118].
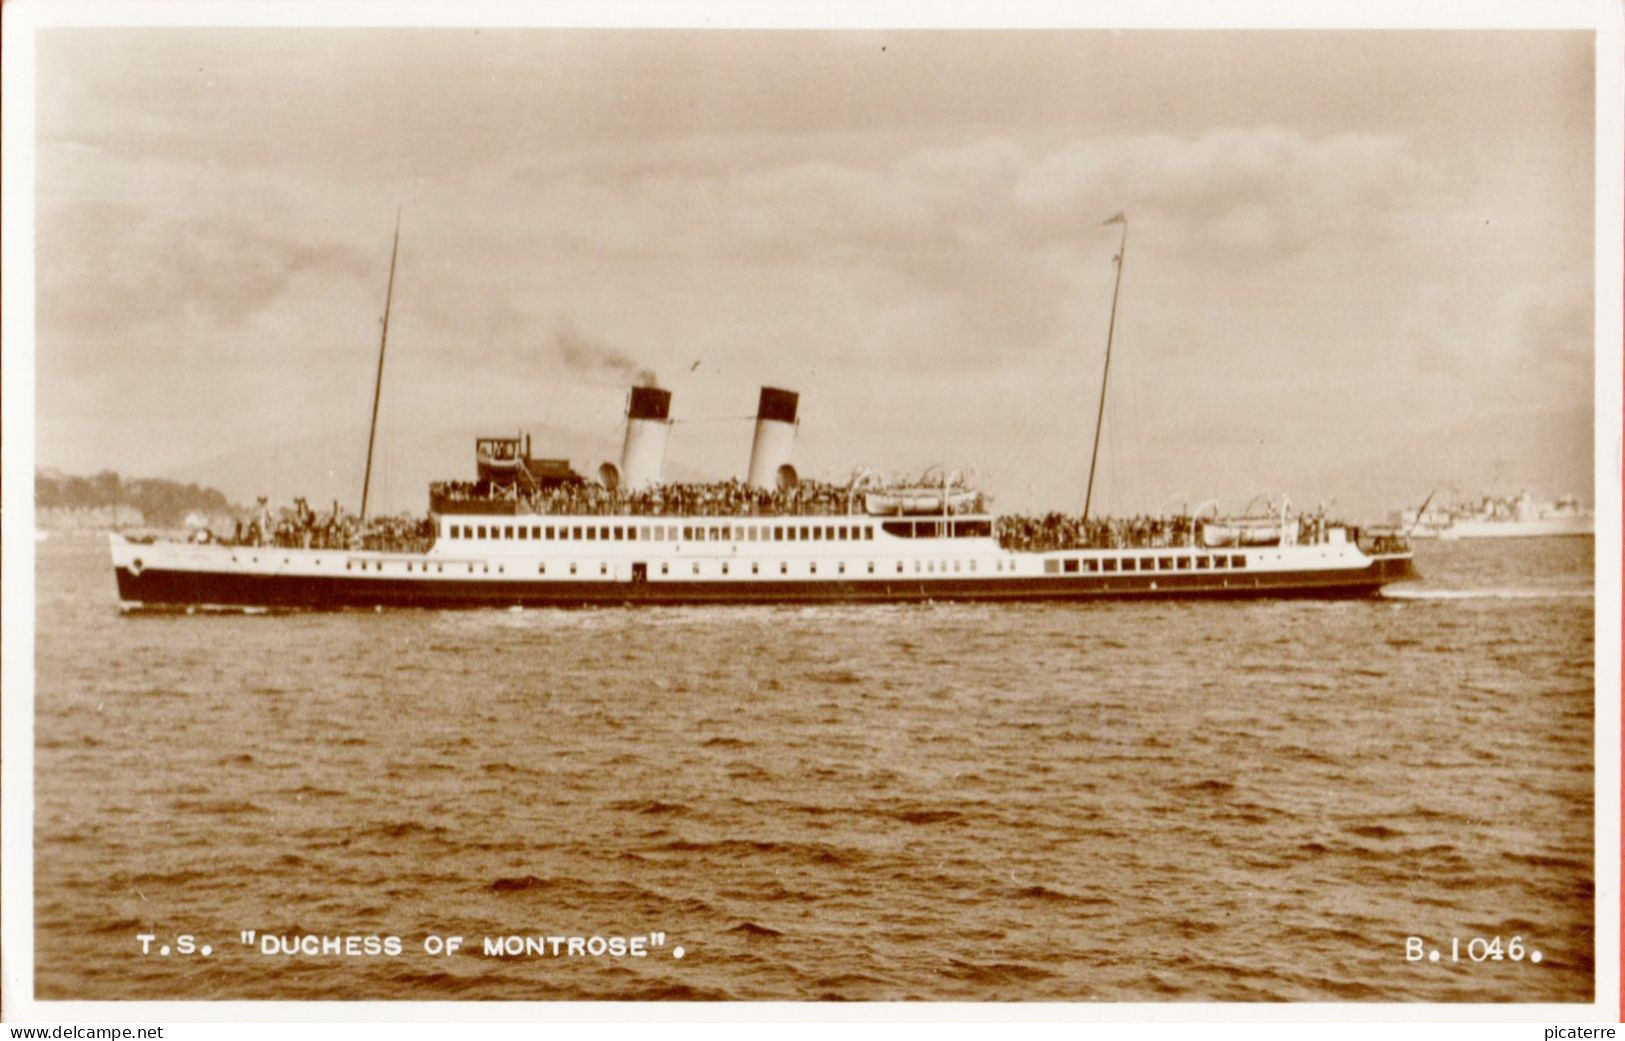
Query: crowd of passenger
[1058,531]
[1055,531]
[302,527]
[731,498]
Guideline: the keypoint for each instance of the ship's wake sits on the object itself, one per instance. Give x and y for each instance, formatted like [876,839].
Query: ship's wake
[1499,593]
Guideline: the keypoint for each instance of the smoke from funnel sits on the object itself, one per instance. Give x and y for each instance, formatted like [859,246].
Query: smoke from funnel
[588,357]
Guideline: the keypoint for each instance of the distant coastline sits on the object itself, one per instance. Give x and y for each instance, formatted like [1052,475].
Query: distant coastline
[108,502]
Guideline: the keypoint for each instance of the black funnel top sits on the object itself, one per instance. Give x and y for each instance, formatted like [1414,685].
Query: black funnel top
[778,405]
[649,403]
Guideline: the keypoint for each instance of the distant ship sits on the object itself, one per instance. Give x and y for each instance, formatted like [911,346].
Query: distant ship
[1520,516]
[529,531]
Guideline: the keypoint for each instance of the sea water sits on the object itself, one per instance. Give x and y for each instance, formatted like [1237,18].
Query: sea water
[1255,801]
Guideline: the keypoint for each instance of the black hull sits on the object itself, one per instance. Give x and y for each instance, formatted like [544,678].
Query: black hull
[159,588]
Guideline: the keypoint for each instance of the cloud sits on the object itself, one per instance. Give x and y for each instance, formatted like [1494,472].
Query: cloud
[1247,193]
[111,265]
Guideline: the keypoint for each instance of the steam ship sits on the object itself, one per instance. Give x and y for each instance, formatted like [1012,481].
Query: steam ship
[533,532]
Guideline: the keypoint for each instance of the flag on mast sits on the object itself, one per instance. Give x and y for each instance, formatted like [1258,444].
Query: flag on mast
[1118,218]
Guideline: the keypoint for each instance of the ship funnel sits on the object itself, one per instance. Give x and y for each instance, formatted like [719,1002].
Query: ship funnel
[644,451]
[775,436]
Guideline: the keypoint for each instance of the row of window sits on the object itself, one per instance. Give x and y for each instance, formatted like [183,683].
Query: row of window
[665,532]
[928,567]
[939,529]
[1092,565]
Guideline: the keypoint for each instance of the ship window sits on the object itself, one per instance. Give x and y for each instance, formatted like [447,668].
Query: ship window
[688,534]
[346,564]
[724,567]
[1071,566]
[620,534]
[485,569]
[440,568]
[665,569]
[524,532]
[632,534]
[471,569]
[507,532]
[817,533]
[778,534]
[840,532]
[956,567]
[1202,563]
[575,533]
[717,535]
[482,531]
[1238,561]
[840,569]
[1221,561]
[1185,563]
[603,569]
[871,567]
[899,567]
[552,532]
[1094,565]
[643,533]
[755,568]
[869,532]
[1110,563]
[794,533]
[572,567]
[784,569]
[592,533]
[541,569]
[812,568]
[696,567]
[1165,564]
[501,569]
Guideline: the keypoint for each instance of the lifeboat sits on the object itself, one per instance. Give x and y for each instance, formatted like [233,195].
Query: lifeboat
[895,501]
[1241,533]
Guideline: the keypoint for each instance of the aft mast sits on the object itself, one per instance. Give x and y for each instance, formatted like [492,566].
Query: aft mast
[378,384]
[1111,327]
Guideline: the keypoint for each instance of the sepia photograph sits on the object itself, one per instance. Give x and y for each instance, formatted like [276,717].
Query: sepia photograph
[658,508]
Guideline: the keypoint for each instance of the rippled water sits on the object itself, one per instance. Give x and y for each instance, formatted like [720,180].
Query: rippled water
[1117,802]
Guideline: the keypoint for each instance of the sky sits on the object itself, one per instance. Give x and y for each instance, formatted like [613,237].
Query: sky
[1359,263]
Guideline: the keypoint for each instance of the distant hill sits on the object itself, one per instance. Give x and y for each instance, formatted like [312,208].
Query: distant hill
[1546,454]
[153,501]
